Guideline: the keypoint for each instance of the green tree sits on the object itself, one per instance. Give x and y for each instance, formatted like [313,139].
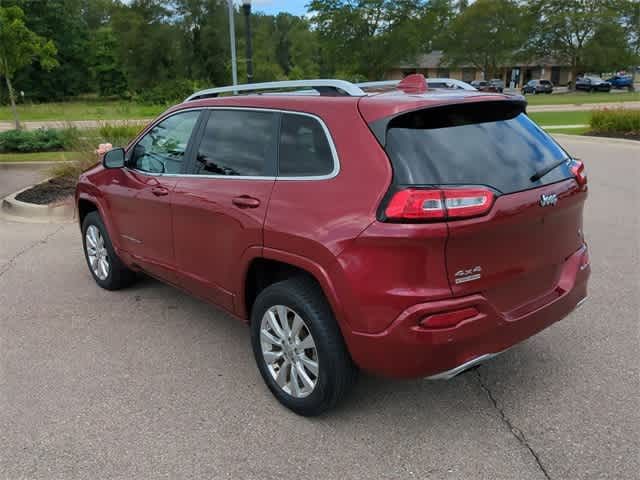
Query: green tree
[486,35]
[365,37]
[567,29]
[434,23]
[296,47]
[62,22]
[149,44]
[605,55]
[19,47]
[104,64]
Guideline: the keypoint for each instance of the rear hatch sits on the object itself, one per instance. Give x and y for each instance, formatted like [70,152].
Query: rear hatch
[478,167]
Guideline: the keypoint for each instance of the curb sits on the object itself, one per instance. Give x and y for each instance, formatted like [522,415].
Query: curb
[17,211]
[591,139]
[36,163]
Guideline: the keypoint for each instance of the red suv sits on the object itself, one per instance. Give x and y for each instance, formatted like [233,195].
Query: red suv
[407,232]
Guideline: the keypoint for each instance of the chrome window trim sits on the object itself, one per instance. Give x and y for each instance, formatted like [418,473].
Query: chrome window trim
[334,152]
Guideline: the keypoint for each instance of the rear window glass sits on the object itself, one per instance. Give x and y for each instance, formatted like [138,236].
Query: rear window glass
[477,144]
[304,148]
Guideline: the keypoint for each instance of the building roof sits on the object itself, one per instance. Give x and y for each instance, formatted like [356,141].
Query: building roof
[434,59]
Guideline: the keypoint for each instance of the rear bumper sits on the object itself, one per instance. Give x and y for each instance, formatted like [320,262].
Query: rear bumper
[407,350]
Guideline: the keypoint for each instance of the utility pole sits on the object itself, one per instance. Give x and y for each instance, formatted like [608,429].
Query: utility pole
[232,39]
[246,7]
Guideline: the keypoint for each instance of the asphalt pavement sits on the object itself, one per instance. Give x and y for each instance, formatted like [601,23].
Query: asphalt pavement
[150,383]
[16,177]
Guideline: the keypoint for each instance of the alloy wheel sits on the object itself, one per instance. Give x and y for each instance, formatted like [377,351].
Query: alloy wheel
[289,351]
[97,252]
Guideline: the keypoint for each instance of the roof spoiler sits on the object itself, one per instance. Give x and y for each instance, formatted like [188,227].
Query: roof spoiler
[379,127]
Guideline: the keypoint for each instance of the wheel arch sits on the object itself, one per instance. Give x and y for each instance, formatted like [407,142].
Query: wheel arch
[275,265]
[87,201]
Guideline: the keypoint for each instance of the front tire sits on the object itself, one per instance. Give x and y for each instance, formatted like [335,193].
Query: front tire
[298,347]
[105,266]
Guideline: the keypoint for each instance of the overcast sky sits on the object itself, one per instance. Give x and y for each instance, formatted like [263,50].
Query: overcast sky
[297,7]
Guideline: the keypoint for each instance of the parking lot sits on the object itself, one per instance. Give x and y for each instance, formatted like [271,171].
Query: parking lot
[150,383]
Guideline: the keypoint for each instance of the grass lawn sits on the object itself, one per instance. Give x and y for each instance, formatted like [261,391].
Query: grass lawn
[107,110]
[124,110]
[560,118]
[37,157]
[578,98]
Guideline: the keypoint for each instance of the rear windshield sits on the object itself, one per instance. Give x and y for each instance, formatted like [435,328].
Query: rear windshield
[485,143]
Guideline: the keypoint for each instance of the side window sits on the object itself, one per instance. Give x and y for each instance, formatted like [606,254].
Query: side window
[238,143]
[304,148]
[163,148]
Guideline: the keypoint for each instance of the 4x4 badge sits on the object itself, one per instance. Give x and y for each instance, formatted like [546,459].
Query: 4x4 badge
[468,274]
[548,200]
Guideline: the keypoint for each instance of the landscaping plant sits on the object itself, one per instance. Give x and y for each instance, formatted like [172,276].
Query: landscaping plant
[616,121]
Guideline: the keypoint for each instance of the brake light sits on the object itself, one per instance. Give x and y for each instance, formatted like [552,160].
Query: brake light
[577,168]
[448,319]
[438,204]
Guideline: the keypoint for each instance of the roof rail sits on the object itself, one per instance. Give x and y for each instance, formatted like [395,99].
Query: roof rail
[378,84]
[322,86]
[450,83]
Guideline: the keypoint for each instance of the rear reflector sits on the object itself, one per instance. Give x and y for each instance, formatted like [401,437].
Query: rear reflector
[448,319]
[436,204]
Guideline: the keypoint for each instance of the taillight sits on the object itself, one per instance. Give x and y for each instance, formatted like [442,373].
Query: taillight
[438,204]
[577,168]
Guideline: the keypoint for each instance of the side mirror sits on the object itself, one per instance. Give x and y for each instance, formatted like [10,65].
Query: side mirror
[114,158]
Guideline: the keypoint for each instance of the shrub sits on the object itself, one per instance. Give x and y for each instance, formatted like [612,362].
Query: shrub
[118,135]
[619,120]
[167,93]
[25,141]
[85,142]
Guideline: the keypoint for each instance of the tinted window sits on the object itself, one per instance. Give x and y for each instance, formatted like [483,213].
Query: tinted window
[480,144]
[304,148]
[238,143]
[163,148]
[545,82]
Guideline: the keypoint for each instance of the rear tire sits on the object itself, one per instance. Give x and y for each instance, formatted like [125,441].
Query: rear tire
[298,347]
[105,266]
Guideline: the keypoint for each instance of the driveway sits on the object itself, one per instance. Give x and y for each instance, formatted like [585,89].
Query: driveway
[150,383]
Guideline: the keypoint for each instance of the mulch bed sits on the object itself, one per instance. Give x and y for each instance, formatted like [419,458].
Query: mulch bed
[49,192]
[626,136]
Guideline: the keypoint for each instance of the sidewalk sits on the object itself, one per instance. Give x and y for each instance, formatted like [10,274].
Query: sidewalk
[581,107]
[82,124]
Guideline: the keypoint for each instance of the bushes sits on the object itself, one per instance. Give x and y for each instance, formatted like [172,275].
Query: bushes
[70,139]
[85,142]
[167,93]
[622,121]
[25,141]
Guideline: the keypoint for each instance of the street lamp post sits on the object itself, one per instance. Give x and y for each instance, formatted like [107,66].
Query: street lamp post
[232,39]
[246,7]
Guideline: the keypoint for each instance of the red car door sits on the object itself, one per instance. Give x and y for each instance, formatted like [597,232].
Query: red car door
[139,196]
[219,208]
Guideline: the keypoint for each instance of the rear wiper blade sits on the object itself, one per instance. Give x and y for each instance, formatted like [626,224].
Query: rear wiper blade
[544,170]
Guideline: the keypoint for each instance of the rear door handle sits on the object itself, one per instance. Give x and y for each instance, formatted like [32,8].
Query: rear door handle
[246,201]
[160,191]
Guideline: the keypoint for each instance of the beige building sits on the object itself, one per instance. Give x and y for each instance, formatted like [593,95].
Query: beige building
[431,65]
